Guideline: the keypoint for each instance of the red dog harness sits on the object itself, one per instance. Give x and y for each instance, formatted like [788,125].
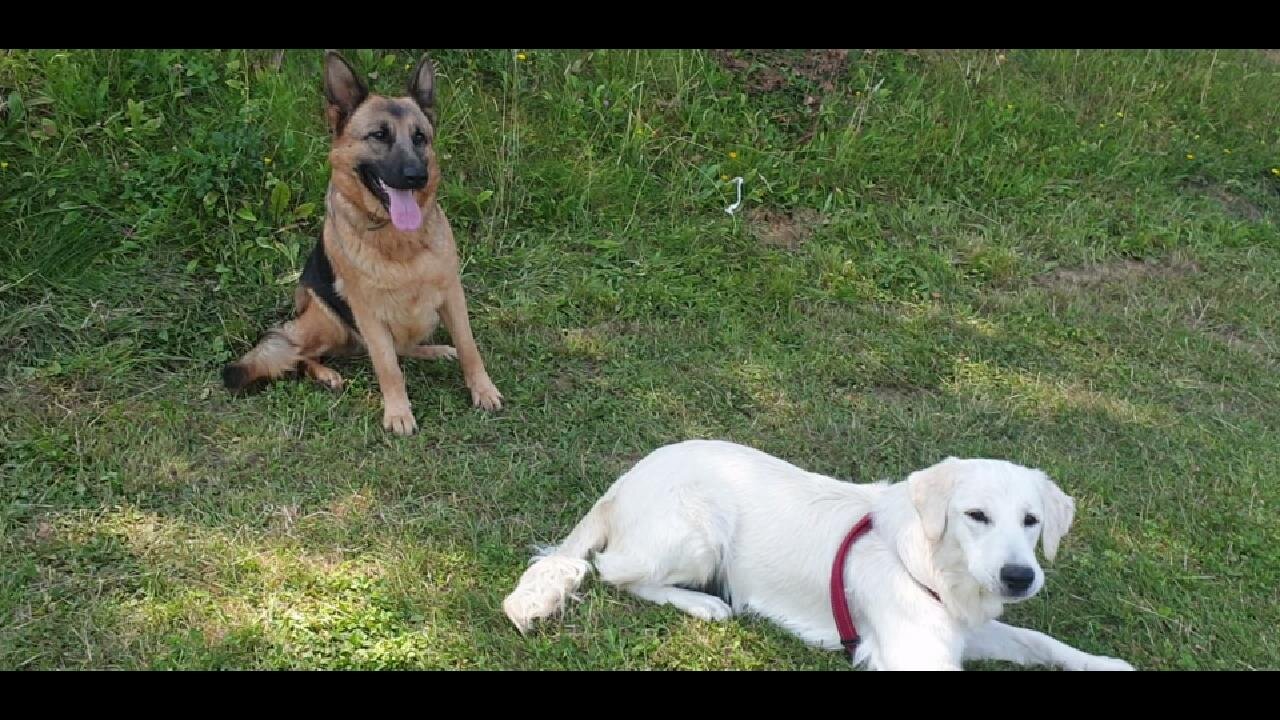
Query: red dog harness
[839,605]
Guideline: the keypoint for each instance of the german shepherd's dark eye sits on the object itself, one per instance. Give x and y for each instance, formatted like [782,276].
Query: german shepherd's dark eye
[1030,520]
[978,516]
[419,138]
[380,134]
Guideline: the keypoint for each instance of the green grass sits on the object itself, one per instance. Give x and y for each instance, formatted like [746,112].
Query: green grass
[1064,259]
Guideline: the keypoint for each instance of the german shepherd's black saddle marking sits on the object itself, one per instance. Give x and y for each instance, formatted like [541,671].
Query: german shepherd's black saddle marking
[317,275]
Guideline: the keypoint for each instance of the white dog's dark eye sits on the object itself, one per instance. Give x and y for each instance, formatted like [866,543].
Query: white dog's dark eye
[978,516]
[1030,520]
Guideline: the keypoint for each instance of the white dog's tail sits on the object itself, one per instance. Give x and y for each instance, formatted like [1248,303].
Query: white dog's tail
[557,571]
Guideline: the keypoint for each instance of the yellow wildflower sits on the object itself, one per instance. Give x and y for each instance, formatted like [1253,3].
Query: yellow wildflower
[521,57]
[733,154]
[1191,156]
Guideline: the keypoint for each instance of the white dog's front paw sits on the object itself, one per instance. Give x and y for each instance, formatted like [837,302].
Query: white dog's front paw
[708,608]
[1103,663]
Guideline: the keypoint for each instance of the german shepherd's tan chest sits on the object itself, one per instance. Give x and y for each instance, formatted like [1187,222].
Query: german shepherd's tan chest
[403,289]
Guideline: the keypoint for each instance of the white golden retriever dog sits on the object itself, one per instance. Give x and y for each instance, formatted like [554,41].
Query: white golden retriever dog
[947,549]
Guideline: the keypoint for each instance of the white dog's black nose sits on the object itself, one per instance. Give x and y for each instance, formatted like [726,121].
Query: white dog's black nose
[1017,577]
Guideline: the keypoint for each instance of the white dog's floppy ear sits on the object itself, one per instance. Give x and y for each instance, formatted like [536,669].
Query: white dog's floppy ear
[931,494]
[1059,511]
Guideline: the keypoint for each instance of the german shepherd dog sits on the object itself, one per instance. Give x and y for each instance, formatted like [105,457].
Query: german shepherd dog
[385,270]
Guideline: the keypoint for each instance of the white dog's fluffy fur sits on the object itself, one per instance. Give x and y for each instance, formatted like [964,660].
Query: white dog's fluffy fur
[763,534]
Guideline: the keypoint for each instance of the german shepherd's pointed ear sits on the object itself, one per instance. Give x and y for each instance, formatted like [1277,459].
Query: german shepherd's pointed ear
[343,90]
[422,88]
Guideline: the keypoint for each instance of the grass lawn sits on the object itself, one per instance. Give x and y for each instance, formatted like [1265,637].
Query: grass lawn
[1064,259]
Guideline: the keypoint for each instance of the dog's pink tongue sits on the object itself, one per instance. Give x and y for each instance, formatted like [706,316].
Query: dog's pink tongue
[405,213]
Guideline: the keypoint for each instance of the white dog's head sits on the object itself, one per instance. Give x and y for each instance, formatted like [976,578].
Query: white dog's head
[991,513]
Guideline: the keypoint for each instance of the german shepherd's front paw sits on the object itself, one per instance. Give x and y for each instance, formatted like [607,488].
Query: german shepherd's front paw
[484,395]
[434,352]
[399,421]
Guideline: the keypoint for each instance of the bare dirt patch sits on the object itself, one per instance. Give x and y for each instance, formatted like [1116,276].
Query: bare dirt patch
[1123,270]
[1234,204]
[1237,340]
[769,70]
[805,76]
[787,230]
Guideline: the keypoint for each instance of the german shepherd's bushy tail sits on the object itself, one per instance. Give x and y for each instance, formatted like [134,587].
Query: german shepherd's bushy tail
[273,356]
[311,333]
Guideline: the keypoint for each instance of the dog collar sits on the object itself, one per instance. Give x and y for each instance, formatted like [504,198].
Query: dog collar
[839,604]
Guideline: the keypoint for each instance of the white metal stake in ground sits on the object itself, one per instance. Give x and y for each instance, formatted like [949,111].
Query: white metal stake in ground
[734,207]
